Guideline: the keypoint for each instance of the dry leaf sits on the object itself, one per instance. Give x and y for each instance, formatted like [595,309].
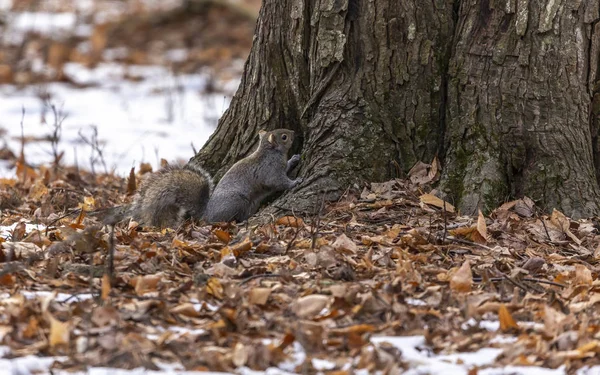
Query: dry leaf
[481,226]
[432,200]
[241,247]
[559,220]
[507,322]
[469,233]
[222,235]
[38,191]
[310,305]
[462,280]
[147,283]
[105,316]
[18,233]
[131,183]
[583,275]
[259,296]
[89,203]
[344,244]
[186,309]
[290,221]
[105,287]
[214,288]
[240,354]
[59,332]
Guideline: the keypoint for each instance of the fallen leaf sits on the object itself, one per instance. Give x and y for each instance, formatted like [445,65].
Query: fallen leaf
[481,226]
[462,280]
[214,288]
[583,275]
[432,200]
[105,287]
[240,354]
[344,244]
[186,309]
[507,322]
[131,182]
[59,332]
[259,296]
[105,316]
[559,220]
[222,235]
[290,221]
[146,283]
[310,305]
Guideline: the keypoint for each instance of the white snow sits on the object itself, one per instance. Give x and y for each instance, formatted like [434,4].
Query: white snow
[42,22]
[6,230]
[159,115]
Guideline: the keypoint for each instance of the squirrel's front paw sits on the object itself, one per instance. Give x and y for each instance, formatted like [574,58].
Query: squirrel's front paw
[298,181]
[294,160]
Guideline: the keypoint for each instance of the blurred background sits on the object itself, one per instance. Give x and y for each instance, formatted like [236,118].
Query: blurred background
[108,84]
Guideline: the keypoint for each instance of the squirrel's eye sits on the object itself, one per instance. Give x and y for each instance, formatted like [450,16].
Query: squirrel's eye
[284,137]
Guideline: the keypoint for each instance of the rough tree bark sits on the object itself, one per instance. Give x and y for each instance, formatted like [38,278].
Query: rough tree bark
[500,90]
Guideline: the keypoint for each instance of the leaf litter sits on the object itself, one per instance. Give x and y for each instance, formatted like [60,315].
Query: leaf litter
[385,279]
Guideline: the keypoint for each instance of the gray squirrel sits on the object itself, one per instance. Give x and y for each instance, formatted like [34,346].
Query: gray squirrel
[174,194]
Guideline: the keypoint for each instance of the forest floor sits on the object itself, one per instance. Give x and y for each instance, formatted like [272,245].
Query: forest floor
[389,279]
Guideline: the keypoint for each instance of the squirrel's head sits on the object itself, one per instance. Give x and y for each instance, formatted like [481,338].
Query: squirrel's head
[280,139]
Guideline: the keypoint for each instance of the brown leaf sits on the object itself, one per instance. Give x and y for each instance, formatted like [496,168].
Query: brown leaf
[214,288]
[307,306]
[481,226]
[19,232]
[147,283]
[462,280]
[559,220]
[241,247]
[105,316]
[131,183]
[432,200]
[344,244]
[583,275]
[186,309]
[38,191]
[105,287]
[290,221]
[7,279]
[507,322]
[469,233]
[89,203]
[240,354]
[59,332]
[259,296]
[222,235]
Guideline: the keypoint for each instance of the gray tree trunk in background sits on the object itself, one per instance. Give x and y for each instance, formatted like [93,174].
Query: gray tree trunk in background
[502,91]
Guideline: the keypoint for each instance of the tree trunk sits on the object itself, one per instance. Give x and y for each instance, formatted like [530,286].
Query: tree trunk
[501,90]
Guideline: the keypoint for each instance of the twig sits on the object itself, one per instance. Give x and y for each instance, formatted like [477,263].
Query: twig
[515,283]
[445,224]
[318,223]
[258,276]
[289,246]
[542,281]
[111,254]
[466,242]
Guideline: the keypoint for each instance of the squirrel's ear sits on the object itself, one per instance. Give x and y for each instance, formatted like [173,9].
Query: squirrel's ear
[271,139]
[261,133]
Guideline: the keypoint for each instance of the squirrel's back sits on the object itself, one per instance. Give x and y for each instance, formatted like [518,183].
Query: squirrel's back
[171,195]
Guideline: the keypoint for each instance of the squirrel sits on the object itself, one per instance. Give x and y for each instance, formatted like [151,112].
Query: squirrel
[174,194]
[248,182]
